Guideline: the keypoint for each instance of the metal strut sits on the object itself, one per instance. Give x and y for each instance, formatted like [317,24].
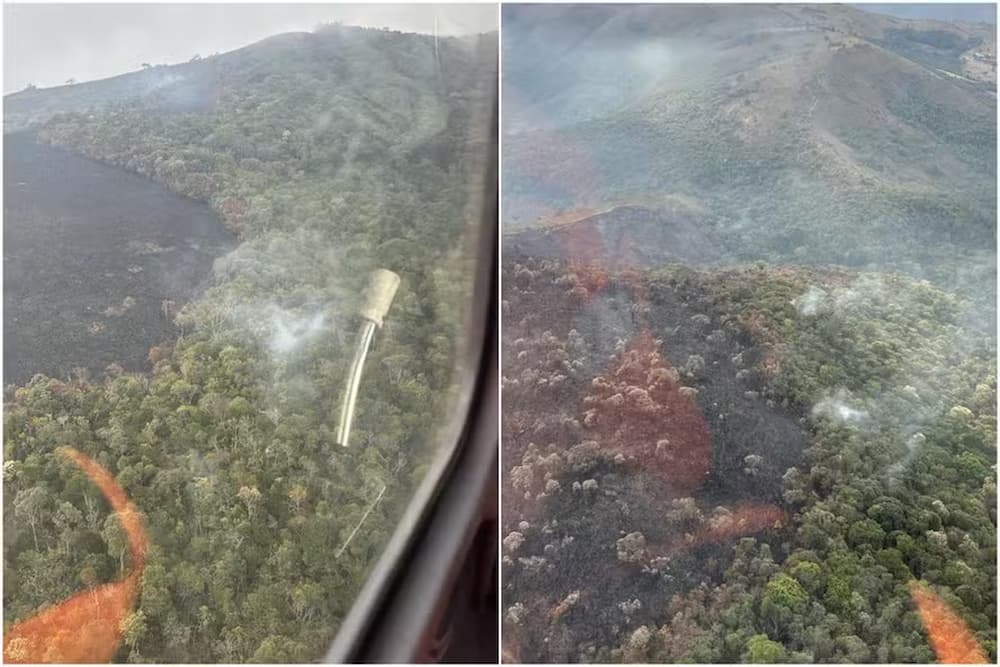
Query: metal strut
[378,297]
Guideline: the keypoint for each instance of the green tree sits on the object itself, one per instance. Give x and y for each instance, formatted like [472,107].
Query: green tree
[762,650]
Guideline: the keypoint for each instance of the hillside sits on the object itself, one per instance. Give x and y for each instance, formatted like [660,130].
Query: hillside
[809,134]
[95,261]
[326,155]
[722,465]
[749,349]
[669,236]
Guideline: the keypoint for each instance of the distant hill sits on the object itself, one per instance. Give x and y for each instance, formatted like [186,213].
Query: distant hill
[335,54]
[809,134]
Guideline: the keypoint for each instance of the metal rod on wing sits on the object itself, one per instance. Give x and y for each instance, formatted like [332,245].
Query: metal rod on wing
[378,297]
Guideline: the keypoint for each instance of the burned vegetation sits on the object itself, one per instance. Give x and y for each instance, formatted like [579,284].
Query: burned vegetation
[682,483]
[654,448]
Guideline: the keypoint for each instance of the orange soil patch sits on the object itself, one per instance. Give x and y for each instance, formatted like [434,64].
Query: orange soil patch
[82,629]
[637,409]
[951,638]
[86,628]
[741,521]
[592,279]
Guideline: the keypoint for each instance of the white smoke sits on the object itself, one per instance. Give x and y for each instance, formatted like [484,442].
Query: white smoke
[867,292]
[160,79]
[913,446]
[811,302]
[837,408]
[653,59]
[289,332]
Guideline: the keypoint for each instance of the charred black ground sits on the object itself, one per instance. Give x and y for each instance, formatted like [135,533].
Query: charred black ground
[96,261]
[577,532]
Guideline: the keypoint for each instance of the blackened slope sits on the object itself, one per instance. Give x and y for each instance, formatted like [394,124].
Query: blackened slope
[569,591]
[91,255]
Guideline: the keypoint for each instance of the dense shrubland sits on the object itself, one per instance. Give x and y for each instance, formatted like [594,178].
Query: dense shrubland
[328,154]
[800,547]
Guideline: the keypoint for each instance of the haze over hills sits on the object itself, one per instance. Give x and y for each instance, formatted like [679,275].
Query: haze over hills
[806,134]
[100,40]
[957,11]
[213,83]
[748,351]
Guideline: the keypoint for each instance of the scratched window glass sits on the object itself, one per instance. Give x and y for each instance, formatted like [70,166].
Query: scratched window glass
[748,350]
[239,254]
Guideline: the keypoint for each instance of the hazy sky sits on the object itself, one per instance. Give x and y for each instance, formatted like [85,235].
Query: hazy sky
[48,44]
[984,13]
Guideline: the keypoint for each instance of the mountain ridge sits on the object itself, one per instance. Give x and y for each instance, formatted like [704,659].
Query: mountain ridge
[185,86]
[803,141]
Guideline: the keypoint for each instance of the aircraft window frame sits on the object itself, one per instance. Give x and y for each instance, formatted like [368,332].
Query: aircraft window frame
[452,438]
